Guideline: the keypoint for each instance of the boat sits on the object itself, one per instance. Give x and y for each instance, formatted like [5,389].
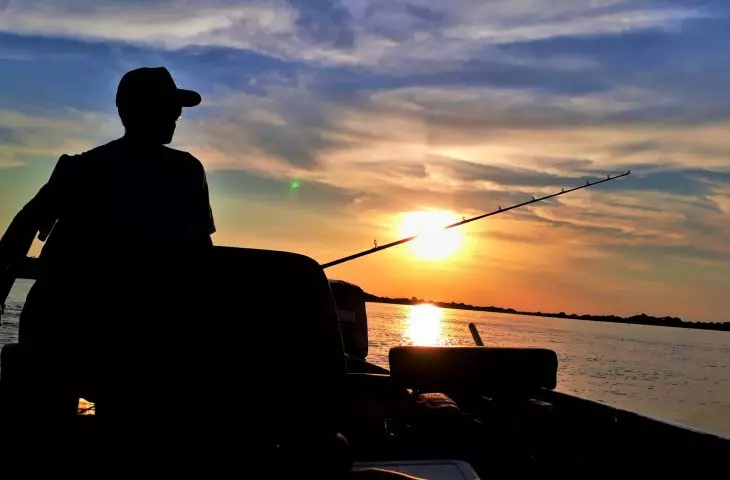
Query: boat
[435,412]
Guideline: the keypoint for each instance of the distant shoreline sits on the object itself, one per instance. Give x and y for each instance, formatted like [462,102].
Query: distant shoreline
[641,319]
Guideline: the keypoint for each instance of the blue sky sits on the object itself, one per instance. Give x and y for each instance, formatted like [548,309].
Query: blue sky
[384,107]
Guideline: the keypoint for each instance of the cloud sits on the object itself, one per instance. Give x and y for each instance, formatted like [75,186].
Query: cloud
[171,24]
[686,253]
[269,27]
[324,22]
[509,22]
[295,192]
[346,45]
[349,32]
[401,139]
[691,182]
[27,138]
[505,177]
[441,139]
[287,127]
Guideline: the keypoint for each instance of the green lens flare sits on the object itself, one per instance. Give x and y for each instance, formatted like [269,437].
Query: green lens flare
[294,184]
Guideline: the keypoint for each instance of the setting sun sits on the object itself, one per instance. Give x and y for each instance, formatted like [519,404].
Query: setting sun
[432,243]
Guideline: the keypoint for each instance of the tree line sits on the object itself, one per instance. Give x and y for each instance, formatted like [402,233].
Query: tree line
[640,319]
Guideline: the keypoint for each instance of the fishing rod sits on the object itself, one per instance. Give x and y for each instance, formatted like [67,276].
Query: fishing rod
[473,219]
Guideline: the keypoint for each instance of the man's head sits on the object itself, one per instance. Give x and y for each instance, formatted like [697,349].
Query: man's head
[150,103]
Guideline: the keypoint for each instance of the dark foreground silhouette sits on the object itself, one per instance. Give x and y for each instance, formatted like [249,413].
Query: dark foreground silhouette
[204,387]
[127,229]
[641,319]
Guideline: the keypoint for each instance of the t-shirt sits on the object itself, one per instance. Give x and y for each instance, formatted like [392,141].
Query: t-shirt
[126,200]
[123,222]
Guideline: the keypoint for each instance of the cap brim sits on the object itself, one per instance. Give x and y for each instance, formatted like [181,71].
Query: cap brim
[188,98]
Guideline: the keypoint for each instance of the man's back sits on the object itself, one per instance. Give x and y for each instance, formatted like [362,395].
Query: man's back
[131,222]
[124,206]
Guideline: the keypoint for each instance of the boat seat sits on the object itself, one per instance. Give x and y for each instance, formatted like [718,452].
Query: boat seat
[265,346]
[271,356]
[261,370]
[493,371]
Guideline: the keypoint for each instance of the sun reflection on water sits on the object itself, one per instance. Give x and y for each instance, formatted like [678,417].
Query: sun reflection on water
[423,325]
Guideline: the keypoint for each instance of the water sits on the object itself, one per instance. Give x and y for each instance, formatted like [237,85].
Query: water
[675,374]
[14,304]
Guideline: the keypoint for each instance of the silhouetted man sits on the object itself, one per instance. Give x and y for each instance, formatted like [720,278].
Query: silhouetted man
[123,225]
[111,315]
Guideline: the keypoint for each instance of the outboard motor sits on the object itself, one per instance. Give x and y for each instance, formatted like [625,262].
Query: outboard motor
[350,301]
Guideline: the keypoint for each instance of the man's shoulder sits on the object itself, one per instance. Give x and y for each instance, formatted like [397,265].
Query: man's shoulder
[106,148]
[179,153]
[100,151]
[185,158]
[106,154]
[117,146]
[79,162]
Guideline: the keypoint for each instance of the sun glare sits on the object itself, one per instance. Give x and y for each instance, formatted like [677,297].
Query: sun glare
[423,326]
[433,243]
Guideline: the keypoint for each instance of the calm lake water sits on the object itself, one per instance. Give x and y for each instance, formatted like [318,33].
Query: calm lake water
[675,374]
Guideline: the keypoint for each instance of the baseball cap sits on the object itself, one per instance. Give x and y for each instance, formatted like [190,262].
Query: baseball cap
[150,86]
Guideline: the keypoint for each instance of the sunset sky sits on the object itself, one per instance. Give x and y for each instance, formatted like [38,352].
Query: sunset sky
[378,108]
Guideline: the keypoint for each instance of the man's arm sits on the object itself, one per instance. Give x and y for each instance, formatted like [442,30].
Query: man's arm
[207,218]
[37,217]
[14,245]
[204,224]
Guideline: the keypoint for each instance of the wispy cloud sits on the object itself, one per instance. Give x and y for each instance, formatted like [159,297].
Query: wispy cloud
[350,32]
[25,138]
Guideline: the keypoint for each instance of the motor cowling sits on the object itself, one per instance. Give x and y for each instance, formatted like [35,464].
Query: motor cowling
[352,315]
